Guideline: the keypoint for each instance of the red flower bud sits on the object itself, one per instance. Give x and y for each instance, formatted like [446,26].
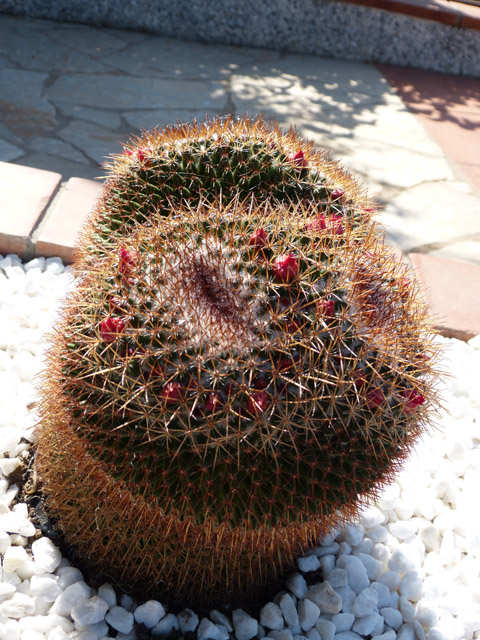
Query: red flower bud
[126,261]
[286,267]
[298,159]
[258,239]
[333,224]
[336,194]
[412,400]
[213,402]
[326,308]
[374,398]
[258,402]
[292,326]
[284,364]
[358,378]
[111,328]
[144,156]
[172,392]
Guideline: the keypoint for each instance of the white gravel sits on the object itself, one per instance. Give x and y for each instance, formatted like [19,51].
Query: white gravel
[410,569]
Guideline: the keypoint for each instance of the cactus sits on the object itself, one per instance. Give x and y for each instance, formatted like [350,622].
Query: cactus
[229,159]
[227,383]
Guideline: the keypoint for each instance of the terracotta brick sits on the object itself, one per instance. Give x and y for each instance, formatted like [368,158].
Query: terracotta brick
[437,10]
[452,290]
[58,234]
[24,196]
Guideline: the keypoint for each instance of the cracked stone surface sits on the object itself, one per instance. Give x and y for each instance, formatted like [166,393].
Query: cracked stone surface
[71,95]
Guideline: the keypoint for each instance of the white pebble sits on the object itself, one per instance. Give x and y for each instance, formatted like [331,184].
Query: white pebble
[289,611]
[373,566]
[392,617]
[308,563]
[364,626]
[347,596]
[326,599]
[284,634]
[167,625]
[406,632]
[325,628]
[297,584]
[149,613]
[407,609]
[120,619]
[372,517]
[388,635]
[90,612]
[71,597]
[18,606]
[271,616]
[352,534]
[337,578]
[68,576]
[398,562]
[327,563]
[431,537]
[245,626]
[127,602]
[207,630]
[221,619]
[343,621]
[327,549]
[418,630]
[45,586]
[383,593]
[313,634]
[14,558]
[411,586]
[46,555]
[357,574]
[188,621]
[365,602]
[107,592]
[348,635]
[13,522]
[308,613]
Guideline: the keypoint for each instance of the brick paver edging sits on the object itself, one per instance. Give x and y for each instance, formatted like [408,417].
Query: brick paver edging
[45,220]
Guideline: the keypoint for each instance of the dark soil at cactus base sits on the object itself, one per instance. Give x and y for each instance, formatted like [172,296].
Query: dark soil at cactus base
[30,493]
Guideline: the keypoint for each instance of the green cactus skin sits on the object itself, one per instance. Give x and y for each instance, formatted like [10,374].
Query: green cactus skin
[226,384]
[229,159]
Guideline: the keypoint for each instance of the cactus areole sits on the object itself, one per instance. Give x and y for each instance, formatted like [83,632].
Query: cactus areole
[242,365]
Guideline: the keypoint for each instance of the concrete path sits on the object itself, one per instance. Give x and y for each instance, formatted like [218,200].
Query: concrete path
[70,95]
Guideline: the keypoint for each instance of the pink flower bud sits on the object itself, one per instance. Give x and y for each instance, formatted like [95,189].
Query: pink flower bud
[412,400]
[326,308]
[374,398]
[127,152]
[126,262]
[258,402]
[258,239]
[298,159]
[111,328]
[286,267]
[333,224]
[144,156]
[172,392]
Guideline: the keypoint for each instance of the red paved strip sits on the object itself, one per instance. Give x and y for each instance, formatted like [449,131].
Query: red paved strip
[452,290]
[449,108]
[24,196]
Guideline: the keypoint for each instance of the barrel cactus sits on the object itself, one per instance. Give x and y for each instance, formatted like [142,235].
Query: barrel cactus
[229,380]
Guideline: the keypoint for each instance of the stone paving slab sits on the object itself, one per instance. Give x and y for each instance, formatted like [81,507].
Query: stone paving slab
[58,233]
[453,292]
[24,196]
